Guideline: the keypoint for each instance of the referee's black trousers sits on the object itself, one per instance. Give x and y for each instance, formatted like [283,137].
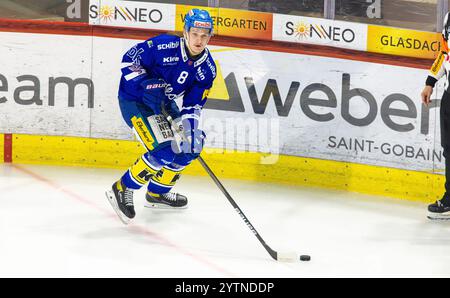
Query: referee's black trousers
[445,138]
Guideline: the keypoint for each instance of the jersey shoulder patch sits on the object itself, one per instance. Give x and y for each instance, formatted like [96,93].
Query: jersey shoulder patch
[437,63]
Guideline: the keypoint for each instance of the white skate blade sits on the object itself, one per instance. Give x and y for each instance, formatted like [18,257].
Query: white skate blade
[438,216]
[162,206]
[112,200]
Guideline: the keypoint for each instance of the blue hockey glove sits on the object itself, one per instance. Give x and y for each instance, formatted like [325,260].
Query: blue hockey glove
[154,95]
[173,110]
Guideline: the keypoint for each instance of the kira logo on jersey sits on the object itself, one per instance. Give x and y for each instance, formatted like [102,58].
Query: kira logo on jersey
[171,59]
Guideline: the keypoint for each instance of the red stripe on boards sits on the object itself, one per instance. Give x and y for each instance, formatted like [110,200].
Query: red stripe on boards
[7,148]
[84,29]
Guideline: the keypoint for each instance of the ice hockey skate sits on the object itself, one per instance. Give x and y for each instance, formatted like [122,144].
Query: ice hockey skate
[440,210]
[121,199]
[168,200]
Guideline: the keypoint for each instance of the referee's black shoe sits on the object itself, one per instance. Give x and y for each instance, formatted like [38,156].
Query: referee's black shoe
[440,209]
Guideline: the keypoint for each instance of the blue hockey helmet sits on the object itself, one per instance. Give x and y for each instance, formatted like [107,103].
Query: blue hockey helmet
[198,18]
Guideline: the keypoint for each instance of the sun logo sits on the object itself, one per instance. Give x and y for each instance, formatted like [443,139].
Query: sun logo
[302,30]
[106,13]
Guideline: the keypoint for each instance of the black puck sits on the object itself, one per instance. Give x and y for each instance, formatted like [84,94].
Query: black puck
[305,258]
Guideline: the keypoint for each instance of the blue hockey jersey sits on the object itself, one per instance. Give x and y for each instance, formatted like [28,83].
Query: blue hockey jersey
[166,57]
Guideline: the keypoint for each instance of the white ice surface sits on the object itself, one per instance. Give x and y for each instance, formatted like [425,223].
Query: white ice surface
[56,222]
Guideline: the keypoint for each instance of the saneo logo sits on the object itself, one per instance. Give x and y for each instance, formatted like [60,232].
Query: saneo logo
[108,13]
[302,30]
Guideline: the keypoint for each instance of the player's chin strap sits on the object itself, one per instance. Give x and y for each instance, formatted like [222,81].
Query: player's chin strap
[279,256]
[186,38]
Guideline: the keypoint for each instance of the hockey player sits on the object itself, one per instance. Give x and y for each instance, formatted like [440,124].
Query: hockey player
[441,208]
[156,72]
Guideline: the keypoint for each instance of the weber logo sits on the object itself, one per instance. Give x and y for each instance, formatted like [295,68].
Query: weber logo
[170,45]
[170,59]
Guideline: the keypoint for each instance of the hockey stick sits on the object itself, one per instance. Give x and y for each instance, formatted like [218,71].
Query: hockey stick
[279,256]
